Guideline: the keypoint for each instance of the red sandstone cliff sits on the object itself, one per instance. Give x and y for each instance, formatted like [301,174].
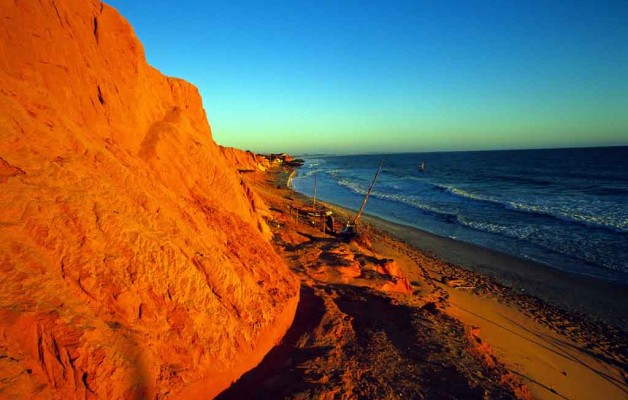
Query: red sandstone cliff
[245,161]
[133,260]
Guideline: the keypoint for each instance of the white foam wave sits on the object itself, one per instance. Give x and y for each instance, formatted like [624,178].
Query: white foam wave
[548,239]
[313,163]
[521,232]
[607,216]
[611,218]
[398,198]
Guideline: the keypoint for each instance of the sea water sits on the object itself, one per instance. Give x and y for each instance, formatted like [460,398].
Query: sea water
[566,208]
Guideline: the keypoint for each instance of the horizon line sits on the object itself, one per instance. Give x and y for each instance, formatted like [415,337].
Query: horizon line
[437,151]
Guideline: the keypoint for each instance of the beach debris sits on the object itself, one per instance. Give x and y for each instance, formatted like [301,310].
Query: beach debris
[348,231]
[311,211]
[452,282]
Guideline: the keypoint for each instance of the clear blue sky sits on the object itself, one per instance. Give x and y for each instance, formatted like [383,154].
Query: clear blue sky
[363,76]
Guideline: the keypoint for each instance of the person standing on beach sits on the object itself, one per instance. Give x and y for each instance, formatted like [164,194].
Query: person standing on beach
[330,224]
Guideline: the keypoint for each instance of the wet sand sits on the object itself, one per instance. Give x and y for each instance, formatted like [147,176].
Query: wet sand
[392,315]
[595,299]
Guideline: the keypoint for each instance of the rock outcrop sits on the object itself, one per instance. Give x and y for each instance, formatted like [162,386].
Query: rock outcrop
[245,161]
[134,261]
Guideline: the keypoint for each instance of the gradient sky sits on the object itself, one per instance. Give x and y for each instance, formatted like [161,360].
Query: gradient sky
[369,76]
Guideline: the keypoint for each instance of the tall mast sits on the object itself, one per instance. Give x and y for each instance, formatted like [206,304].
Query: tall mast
[357,217]
[314,203]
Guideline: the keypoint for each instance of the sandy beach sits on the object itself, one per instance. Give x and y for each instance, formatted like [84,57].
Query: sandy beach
[599,300]
[400,313]
[148,254]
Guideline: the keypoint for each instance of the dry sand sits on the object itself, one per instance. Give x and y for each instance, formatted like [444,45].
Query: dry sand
[376,321]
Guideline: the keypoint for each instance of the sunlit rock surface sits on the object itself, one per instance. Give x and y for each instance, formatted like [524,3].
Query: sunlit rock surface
[134,262]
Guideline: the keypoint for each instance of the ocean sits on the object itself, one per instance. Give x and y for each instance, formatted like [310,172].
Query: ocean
[566,208]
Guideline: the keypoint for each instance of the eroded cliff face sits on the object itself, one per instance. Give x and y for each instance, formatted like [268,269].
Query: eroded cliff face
[134,261]
[244,160]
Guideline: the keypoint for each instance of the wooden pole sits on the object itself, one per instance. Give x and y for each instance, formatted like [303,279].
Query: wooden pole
[314,202]
[359,214]
[290,177]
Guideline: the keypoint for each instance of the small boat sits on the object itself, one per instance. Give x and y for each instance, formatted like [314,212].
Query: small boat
[319,213]
[311,211]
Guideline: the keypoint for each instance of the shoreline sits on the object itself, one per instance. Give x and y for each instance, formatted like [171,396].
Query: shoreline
[596,299]
[376,303]
[547,222]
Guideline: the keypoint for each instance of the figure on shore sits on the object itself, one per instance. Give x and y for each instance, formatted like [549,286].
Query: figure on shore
[329,221]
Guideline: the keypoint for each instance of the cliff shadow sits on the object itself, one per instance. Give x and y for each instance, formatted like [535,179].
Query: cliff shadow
[276,376]
[401,349]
